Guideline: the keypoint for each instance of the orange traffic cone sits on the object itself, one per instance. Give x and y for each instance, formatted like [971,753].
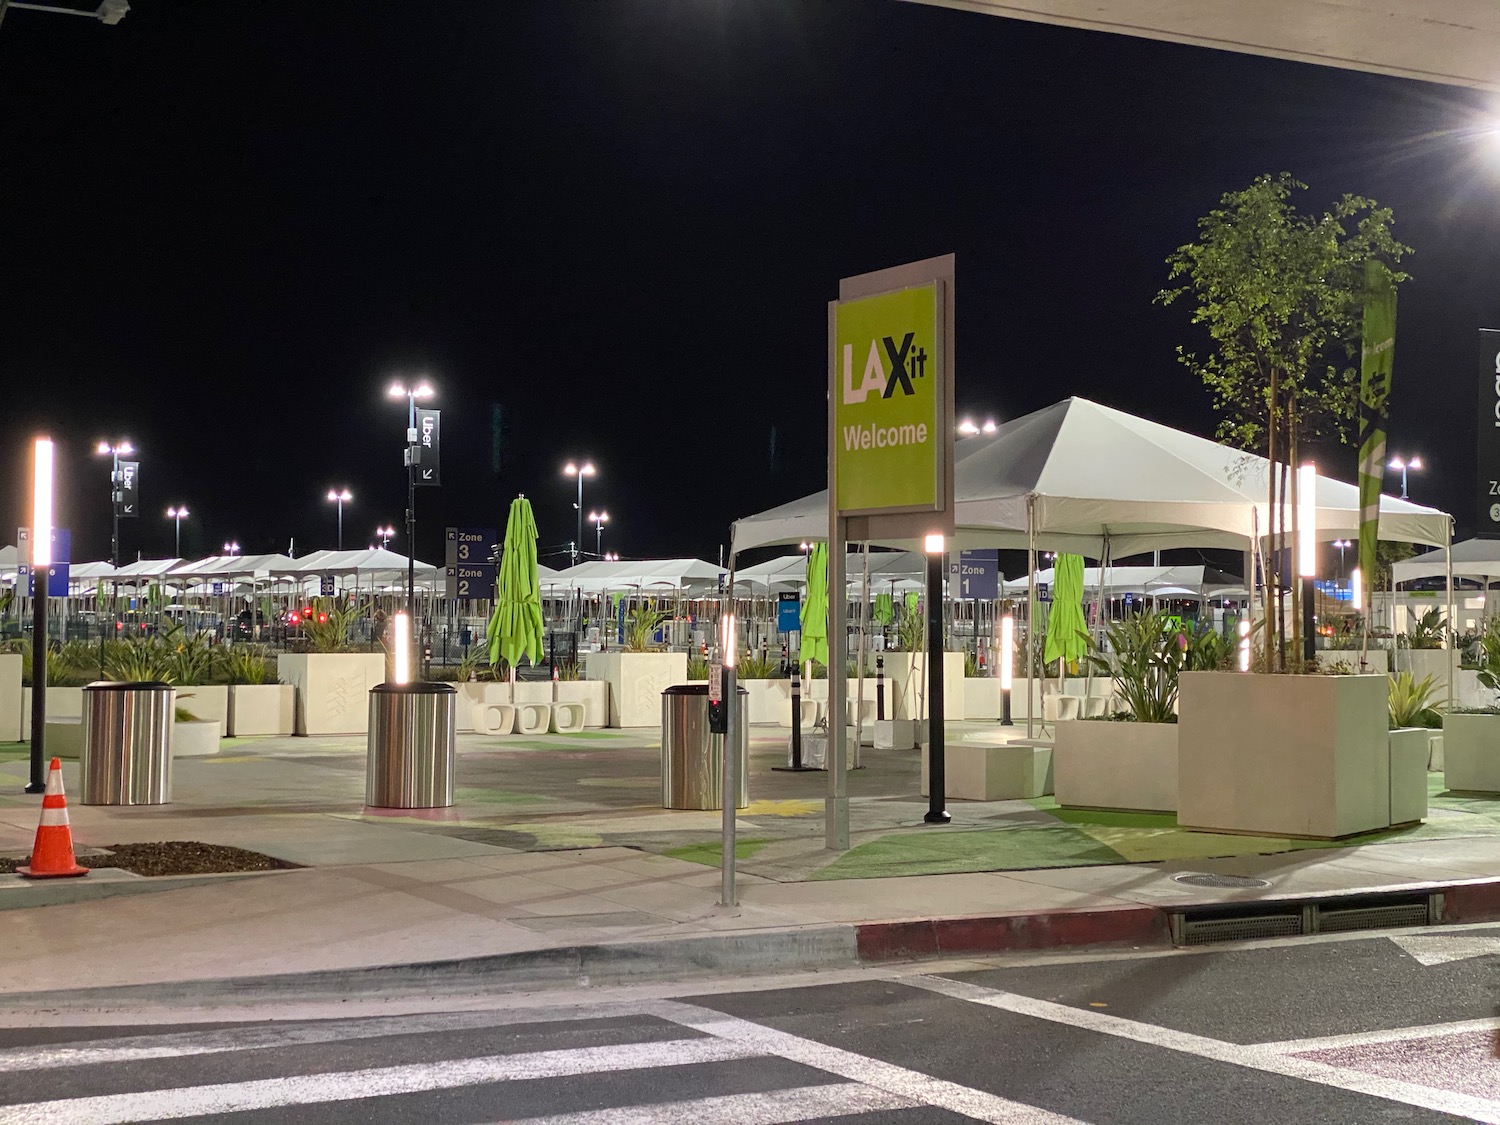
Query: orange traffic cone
[52,854]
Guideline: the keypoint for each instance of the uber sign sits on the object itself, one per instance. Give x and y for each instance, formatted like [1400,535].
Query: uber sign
[426,451]
[128,490]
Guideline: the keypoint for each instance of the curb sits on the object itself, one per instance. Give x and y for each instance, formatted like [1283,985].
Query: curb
[881,942]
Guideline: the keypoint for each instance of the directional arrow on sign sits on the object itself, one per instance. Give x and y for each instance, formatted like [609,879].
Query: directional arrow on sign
[1439,949]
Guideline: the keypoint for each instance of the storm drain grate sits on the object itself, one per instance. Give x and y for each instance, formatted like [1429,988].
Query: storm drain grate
[1392,916]
[1198,879]
[1202,931]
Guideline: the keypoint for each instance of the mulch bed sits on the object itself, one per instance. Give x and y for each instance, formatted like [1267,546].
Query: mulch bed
[170,857]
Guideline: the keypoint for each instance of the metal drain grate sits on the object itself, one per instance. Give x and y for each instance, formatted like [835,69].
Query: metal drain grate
[1373,917]
[1202,931]
[1196,879]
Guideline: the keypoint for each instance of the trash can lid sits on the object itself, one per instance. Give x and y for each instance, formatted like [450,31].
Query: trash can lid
[128,685]
[416,687]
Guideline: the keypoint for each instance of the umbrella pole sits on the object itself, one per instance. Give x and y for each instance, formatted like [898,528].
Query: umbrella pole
[1030,616]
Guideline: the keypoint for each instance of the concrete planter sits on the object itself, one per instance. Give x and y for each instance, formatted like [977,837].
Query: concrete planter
[1410,748]
[1304,756]
[982,698]
[899,734]
[636,681]
[1375,659]
[974,772]
[768,701]
[1109,765]
[332,689]
[62,703]
[10,696]
[902,703]
[1471,753]
[195,739]
[206,702]
[257,710]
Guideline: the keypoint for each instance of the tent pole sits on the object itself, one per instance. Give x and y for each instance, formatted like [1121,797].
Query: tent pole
[1448,641]
[859,690]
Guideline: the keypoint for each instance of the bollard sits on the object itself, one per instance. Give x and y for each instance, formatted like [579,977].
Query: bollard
[880,689]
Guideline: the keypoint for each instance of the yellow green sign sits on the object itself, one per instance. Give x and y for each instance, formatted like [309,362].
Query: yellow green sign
[887,393]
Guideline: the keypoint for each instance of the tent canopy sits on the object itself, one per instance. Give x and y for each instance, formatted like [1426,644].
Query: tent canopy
[1090,473]
[665,575]
[1473,558]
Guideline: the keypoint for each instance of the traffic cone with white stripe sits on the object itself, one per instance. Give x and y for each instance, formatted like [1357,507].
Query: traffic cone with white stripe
[52,853]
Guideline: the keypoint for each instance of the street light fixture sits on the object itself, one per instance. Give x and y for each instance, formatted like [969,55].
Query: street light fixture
[599,519]
[340,496]
[968,427]
[1342,545]
[385,535]
[113,450]
[177,515]
[231,549]
[1403,464]
[573,469]
[421,390]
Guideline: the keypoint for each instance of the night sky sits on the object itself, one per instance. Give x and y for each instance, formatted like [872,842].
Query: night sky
[612,228]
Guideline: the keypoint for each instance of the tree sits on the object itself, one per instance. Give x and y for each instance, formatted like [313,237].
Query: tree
[1281,295]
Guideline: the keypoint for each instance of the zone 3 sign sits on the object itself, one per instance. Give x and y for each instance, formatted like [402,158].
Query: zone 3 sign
[887,389]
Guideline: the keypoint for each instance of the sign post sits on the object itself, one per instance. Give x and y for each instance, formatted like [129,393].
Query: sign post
[890,456]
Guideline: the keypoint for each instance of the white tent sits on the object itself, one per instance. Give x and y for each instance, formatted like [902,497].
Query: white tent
[663,575]
[1473,558]
[1079,475]
[376,561]
[1161,581]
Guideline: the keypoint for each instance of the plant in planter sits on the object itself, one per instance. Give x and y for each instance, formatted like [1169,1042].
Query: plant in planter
[641,627]
[248,665]
[697,666]
[328,627]
[1427,631]
[1130,764]
[1410,702]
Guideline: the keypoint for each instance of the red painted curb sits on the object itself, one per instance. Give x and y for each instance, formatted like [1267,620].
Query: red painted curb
[1000,933]
[1472,902]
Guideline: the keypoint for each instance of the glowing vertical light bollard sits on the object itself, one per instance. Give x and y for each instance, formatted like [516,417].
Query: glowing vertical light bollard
[41,573]
[1007,658]
[401,647]
[1307,549]
[1244,645]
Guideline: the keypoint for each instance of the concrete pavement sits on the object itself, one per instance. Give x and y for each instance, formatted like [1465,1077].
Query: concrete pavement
[498,877]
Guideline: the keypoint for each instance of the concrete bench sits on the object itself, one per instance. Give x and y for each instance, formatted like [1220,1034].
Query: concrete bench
[494,718]
[567,717]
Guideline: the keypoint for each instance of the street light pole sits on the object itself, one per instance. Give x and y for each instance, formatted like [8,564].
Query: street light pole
[580,471]
[599,519]
[339,496]
[175,515]
[411,394]
[1403,464]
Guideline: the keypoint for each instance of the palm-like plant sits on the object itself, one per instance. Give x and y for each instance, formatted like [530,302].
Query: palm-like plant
[641,626]
[248,664]
[327,628]
[1410,701]
[1427,631]
[140,661]
[1145,660]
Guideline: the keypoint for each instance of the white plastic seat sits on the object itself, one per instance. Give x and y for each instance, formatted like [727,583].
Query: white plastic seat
[494,718]
[869,713]
[812,711]
[533,718]
[567,717]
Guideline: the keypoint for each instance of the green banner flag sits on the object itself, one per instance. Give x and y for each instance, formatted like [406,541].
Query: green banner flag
[1377,357]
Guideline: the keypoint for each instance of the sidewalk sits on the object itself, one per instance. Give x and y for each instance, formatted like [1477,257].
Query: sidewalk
[535,872]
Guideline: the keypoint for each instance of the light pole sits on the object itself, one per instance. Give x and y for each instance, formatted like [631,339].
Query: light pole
[385,535]
[599,519]
[1343,545]
[113,451]
[411,394]
[968,427]
[231,549]
[41,574]
[1405,463]
[579,471]
[176,515]
[340,496]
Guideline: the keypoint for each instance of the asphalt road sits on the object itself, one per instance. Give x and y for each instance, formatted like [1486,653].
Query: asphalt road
[1345,1032]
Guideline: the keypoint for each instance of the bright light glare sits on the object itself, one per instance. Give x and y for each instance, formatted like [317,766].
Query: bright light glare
[990,426]
[41,505]
[424,391]
[1357,590]
[588,469]
[104,447]
[934,544]
[1244,631]
[1307,520]
[1007,650]
[728,639]
[401,644]
[125,447]
[345,495]
[571,469]
[1395,463]
[1414,463]
[967,426]
[396,391]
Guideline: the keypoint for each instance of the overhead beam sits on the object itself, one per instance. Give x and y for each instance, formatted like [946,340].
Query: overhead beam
[1454,42]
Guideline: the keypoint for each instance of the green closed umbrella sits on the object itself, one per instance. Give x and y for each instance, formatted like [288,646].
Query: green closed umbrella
[885,611]
[1067,632]
[516,626]
[815,606]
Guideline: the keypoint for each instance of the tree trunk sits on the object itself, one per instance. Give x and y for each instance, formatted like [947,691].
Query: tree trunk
[1273,588]
[1294,564]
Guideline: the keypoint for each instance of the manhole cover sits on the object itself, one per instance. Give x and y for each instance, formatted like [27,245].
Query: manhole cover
[1197,880]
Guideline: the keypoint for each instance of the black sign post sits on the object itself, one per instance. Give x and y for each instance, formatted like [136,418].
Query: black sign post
[1487,497]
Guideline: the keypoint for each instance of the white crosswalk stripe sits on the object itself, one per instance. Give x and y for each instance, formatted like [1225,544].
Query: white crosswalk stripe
[351,1085]
[774,1107]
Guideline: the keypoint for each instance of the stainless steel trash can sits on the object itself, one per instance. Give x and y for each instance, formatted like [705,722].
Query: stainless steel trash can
[691,757]
[411,746]
[127,744]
